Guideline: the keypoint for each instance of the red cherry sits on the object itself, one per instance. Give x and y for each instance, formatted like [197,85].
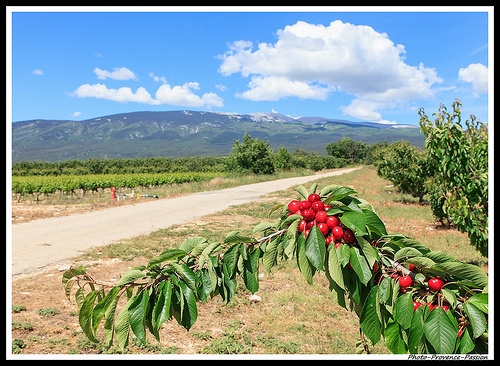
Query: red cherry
[323,228]
[446,308]
[310,224]
[412,267]
[313,197]
[305,205]
[337,244]
[321,216]
[327,207]
[308,214]
[302,225]
[328,239]
[294,206]
[332,221]
[349,236]
[416,305]
[435,284]
[405,281]
[317,206]
[337,232]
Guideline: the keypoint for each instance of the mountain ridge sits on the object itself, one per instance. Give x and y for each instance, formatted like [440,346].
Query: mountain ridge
[187,133]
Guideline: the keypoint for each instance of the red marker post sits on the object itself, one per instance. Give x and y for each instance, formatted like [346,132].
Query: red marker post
[113,193]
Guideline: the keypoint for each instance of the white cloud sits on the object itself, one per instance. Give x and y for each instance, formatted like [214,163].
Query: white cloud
[177,95]
[118,73]
[184,96]
[477,75]
[37,72]
[312,61]
[123,94]
[76,114]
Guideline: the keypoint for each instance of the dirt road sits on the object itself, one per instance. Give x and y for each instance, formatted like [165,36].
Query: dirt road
[45,243]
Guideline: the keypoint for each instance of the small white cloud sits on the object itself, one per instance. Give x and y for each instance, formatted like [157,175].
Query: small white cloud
[76,114]
[121,73]
[158,79]
[184,96]
[477,75]
[166,94]
[37,72]
[123,95]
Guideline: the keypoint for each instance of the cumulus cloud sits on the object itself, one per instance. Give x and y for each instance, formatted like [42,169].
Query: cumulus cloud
[37,72]
[118,73]
[183,95]
[177,95]
[477,75]
[124,94]
[312,61]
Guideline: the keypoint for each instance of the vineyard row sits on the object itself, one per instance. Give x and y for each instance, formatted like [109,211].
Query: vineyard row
[52,184]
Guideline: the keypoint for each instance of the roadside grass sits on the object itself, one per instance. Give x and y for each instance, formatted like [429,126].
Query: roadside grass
[292,316]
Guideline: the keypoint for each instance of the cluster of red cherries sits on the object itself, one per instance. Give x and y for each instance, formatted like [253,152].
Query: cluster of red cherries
[314,212]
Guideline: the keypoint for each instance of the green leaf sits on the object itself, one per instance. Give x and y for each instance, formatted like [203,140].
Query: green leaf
[186,274]
[234,237]
[334,267]
[190,312]
[339,193]
[480,301]
[469,273]
[167,255]
[101,308]
[374,223]
[161,310]
[230,259]
[403,310]
[440,331]
[477,319]
[369,320]
[393,337]
[85,315]
[303,191]
[343,253]
[122,325]
[305,267]
[269,257]
[466,344]
[315,248]
[405,253]
[360,265]
[415,338]
[136,314]
[250,271]
[355,221]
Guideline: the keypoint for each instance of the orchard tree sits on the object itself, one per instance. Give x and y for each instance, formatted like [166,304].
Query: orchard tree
[414,299]
[460,156]
[406,166]
[346,148]
[252,155]
[283,159]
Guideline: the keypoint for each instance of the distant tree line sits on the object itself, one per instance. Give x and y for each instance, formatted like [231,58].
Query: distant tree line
[249,155]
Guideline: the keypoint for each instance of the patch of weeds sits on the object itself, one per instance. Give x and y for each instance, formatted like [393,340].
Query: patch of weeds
[22,326]
[277,346]
[47,312]
[233,341]
[17,345]
[18,308]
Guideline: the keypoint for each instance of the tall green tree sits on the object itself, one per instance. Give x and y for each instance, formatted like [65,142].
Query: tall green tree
[347,148]
[253,155]
[460,155]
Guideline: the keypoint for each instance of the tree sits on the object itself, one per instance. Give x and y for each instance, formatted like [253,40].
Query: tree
[283,159]
[347,148]
[406,166]
[460,156]
[252,155]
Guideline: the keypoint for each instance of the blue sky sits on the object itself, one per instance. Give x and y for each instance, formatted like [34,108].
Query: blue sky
[359,64]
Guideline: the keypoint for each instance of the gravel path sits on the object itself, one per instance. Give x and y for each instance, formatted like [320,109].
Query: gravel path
[42,244]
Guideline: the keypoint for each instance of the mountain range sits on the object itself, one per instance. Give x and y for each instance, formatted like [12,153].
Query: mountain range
[188,133]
